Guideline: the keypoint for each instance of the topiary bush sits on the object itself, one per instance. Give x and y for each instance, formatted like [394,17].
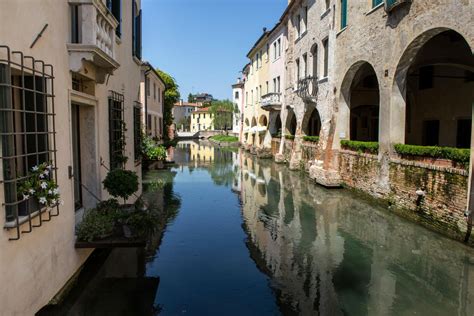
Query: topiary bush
[121,183]
[460,155]
[313,139]
[360,147]
[96,225]
[290,137]
[143,223]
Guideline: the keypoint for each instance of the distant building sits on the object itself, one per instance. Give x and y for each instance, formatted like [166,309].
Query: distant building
[201,120]
[238,99]
[152,94]
[182,115]
[203,97]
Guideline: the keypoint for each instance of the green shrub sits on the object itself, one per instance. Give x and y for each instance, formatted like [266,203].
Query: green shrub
[361,147]
[121,183]
[460,155]
[96,225]
[313,139]
[151,150]
[225,138]
[143,223]
[290,137]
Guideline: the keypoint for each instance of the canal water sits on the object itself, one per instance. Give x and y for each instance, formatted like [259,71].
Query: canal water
[249,237]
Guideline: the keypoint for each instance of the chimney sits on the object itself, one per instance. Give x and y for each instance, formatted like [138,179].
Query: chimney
[264,29]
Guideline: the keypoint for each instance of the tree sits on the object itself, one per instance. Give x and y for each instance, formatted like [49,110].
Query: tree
[222,114]
[172,96]
[191,98]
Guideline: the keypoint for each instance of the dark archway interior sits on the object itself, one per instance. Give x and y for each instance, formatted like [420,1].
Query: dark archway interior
[364,105]
[312,126]
[439,97]
[291,123]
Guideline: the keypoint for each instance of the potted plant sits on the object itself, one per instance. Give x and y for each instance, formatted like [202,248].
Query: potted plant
[38,190]
[154,154]
[121,183]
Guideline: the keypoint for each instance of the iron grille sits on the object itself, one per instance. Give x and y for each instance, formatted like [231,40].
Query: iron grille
[116,130]
[27,134]
[137,130]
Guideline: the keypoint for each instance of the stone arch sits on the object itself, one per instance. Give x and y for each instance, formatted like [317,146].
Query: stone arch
[290,126]
[254,122]
[311,124]
[275,124]
[417,118]
[359,103]
[247,122]
[262,121]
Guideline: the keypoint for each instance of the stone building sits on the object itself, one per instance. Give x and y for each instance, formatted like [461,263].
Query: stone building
[239,100]
[369,87]
[152,99]
[70,75]
[202,120]
[182,115]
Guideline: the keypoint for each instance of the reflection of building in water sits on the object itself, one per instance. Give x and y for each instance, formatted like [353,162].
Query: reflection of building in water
[201,153]
[331,254]
[236,167]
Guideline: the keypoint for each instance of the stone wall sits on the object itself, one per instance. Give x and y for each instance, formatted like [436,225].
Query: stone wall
[444,189]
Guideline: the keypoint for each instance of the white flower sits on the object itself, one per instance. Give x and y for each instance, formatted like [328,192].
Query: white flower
[42,200]
[49,167]
[46,172]
[32,191]
[50,192]
[35,168]
[44,185]
[54,202]
[56,191]
[41,176]
[26,196]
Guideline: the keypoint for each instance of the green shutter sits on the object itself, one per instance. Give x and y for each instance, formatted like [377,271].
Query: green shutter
[390,3]
[376,3]
[343,13]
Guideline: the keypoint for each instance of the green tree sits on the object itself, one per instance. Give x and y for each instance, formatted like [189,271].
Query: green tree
[191,98]
[172,96]
[222,114]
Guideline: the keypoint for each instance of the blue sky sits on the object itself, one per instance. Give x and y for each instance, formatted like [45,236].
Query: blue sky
[203,43]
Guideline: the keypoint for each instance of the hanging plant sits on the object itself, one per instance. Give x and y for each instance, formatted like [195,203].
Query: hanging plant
[40,185]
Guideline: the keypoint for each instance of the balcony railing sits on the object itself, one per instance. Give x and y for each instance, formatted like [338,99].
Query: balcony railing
[271,101]
[92,36]
[307,88]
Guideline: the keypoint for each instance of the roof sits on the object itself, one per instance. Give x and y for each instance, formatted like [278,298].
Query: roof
[264,35]
[206,109]
[187,104]
[151,68]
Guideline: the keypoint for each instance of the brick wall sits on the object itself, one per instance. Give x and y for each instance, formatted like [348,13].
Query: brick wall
[441,209]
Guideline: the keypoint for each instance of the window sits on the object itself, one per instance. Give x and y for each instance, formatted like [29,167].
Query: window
[327,2]
[147,86]
[236,96]
[267,86]
[315,61]
[27,134]
[136,31]
[343,13]
[267,53]
[115,7]
[279,47]
[305,65]
[326,56]
[256,96]
[260,95]
[154,91]
[75,29]
[275,51]
[305,19]
[274,85]
[159,94]
[298,26]
[258,61]
[297,69]
[137,130]
[251,93]
[278,84]
[463,137]
[376,3]
[116,131]
[148,122]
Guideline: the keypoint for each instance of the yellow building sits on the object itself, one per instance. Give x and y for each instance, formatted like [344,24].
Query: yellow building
[201,120]
[257,85]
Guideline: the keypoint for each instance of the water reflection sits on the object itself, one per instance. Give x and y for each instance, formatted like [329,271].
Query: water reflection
[330,253]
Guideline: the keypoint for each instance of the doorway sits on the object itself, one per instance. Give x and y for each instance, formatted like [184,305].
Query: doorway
[76,153]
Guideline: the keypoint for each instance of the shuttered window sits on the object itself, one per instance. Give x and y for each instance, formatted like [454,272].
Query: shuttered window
[376,3]
[343,13]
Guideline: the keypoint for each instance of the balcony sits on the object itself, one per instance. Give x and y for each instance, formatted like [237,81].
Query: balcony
[92,37]
[271,101]
[307,88]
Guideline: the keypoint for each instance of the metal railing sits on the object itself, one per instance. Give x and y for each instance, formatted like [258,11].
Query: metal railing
[307,88]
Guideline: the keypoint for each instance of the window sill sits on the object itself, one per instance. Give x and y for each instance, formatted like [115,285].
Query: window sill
[323,80]
[375,8]
[301,36]
[341,30]
[23,219]
[325,13]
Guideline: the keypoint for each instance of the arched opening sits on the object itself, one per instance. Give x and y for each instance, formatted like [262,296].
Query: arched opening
[290,128]
[254,122]
[275,126]
[364,99]
[438,85]
[312,123]
[263,121]
[247,123]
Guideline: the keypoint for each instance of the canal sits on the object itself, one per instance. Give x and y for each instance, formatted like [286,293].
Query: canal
[249,237]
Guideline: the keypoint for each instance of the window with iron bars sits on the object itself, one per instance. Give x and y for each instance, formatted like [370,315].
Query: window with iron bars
[27,137]
[116,131]
[137,130]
